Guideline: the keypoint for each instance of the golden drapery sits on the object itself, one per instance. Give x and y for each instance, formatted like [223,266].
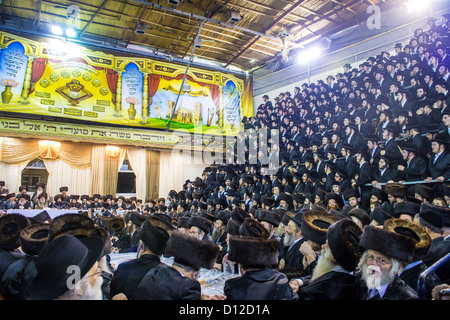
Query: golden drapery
[16,151]
[152,174]
[247,98]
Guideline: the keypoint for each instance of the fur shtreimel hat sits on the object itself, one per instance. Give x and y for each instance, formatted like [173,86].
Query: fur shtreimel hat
[190,251]
[10,227]
[395,189]
[360,214]
[315,225]
[391,244]
[413,230]
[34,238]
[252,228]
[155,232]
[66,222]
[343,240]
[200,222]
[253,251]
[268,216]
[349,193]
[405,207]
[443,212]
[233,227]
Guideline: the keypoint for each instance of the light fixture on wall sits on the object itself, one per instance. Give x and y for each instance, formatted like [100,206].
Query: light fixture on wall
[112,151]
[49,149]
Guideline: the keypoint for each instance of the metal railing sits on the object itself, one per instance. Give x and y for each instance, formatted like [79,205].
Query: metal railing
[438,264]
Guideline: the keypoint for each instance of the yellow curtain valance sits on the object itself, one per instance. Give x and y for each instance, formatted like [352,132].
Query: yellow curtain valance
[18,150]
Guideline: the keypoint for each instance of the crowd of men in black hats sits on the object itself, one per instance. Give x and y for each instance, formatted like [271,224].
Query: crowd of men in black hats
[356,208]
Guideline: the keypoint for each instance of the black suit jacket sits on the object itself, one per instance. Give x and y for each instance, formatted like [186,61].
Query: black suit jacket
[441,167]
[293,260]
[365,175]
[166,283]
[130,273]
[416,170]
[264,284]
[332,286]
[393,153]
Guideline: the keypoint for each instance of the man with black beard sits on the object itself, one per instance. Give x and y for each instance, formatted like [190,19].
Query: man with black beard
[333,277]
[380,264]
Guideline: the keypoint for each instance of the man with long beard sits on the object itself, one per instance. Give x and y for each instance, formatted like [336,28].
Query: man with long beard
[333,277]
[291,258]
[380,265]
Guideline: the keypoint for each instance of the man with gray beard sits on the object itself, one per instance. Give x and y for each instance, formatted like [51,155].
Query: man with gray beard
[333,277]
[380,265]
[291,258]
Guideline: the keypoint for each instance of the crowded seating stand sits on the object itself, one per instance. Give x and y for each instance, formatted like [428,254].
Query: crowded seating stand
[361,194]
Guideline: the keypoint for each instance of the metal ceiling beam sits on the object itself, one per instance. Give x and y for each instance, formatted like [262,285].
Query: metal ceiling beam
[202,18]
[210,15]
[185,73]
[270,26]
[93,16]
[38,24]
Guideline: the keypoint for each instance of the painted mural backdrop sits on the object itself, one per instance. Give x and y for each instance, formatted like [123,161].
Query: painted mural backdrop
[67,80]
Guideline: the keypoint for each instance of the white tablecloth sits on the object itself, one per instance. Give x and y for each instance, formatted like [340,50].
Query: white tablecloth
[29,213]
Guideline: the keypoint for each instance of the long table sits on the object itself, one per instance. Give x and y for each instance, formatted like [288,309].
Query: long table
[29,213]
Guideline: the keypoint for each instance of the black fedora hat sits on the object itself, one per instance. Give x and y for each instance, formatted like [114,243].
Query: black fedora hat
[335,196]
[54,260]
[379,215]
[10,227]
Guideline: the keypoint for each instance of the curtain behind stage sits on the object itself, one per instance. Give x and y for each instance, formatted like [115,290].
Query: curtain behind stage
[86,168]
[138,161]
[171,172]
[152,174]
[61,174]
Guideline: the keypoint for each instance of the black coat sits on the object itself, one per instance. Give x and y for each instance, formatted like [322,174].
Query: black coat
[393,153]
[411,278]
[293,259]
[130,273]
[332,286]
[416,170]
[441,167]
[263,284]
[166,283]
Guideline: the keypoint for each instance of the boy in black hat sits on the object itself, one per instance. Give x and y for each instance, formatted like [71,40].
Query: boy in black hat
[178,281]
